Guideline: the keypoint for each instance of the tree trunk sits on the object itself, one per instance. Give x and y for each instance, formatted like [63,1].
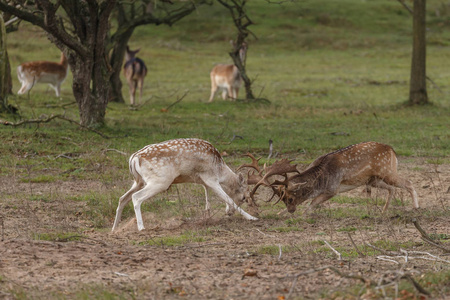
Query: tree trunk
[3,59]
[242,70]
[418,88]
[90,92]
[116,62]
[8,84]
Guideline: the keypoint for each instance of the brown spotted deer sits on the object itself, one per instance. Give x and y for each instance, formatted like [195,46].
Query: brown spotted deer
[227,77]
[135,71]
[33,72]
[370,163]
[156,167]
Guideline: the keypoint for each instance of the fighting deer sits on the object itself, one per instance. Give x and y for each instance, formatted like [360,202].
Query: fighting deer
[135,71]
[33,72]
[370,163]
[156,167]
[227,77]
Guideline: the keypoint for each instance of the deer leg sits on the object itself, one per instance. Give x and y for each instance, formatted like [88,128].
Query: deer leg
[236,92]
[208,206]
[320,199]
[57,89]
[379,183]
[215,186]
[225,94]
[213,89]
[132,85]
[150,190]
[231,94]
[140,85]
[123,201]
[400,183]
[25,88]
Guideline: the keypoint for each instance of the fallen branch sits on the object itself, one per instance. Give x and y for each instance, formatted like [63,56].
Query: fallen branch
[136,107]
[406,6]
[381,250]
[446,250]
[118,151]
[270,148]
[264,233]
[255,100]
[354,245]
[335,270]
[417,285]
[61,105]
[29,121]
[427,238]
[176,102]
[52,117]
[334,250]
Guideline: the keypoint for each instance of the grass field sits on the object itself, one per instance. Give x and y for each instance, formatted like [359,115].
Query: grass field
[336,73]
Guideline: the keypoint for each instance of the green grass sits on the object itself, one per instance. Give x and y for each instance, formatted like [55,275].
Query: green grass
[57,236]
[321,78]
[187,237]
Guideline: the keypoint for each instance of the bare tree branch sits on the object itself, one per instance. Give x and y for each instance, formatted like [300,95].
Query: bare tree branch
[52,117]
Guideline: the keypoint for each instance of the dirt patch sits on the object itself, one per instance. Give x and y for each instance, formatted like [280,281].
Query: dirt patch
[221,257]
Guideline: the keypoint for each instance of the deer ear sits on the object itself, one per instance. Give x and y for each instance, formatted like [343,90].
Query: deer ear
[241,178]
[295,186]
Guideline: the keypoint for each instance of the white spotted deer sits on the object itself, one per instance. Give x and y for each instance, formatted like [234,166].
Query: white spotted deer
[228,77]
[135,71]
[370,163]
[156,167]
[33,72]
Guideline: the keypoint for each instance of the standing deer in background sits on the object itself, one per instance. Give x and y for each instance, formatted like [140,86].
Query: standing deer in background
[156,167]
[372,164]
[227,77]
[135,72]
[33,72]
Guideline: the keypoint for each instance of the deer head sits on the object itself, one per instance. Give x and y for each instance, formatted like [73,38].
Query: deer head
[130,54]
[282,189]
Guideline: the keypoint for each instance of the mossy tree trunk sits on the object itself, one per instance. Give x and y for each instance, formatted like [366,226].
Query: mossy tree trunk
[3,69]
[418,88]
[241,21]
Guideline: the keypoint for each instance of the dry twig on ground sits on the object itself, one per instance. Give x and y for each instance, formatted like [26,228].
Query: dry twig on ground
[48,119]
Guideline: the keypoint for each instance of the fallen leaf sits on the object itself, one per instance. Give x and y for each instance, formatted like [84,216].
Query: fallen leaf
[250,272]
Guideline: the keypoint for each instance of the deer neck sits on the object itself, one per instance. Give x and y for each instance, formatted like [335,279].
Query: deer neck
[63,62]
[312,181]
[227,178]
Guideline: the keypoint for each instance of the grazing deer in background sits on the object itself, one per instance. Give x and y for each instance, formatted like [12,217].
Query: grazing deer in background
[227,77]
[33,72]
[372,164]
[135,72]
[156,167]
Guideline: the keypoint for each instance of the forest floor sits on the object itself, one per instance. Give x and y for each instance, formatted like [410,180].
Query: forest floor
[276,257]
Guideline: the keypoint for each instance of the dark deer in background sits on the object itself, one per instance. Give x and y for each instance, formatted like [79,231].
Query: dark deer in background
[227,77]
[372,164]
[135,72]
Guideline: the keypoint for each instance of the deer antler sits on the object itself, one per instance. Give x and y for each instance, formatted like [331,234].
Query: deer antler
[253,178]
[253,165]
[280,167]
